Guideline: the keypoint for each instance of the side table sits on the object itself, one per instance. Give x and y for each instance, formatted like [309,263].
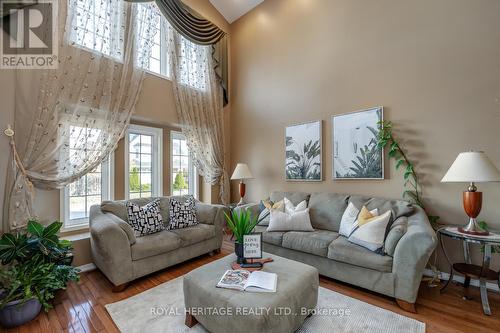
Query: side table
[467,269]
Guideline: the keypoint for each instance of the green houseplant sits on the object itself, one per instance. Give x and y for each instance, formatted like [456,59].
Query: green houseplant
[240,223]
[36,264]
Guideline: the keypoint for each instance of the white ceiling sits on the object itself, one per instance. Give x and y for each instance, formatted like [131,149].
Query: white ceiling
[234,9]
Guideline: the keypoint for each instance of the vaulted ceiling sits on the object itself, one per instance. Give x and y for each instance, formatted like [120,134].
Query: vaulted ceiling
[234,9]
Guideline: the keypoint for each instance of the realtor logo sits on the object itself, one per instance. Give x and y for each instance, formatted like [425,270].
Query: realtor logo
[29,34]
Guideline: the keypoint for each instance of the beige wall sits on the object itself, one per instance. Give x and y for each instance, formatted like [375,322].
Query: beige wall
[433,64]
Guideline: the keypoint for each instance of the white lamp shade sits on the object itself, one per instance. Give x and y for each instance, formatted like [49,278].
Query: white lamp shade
[473,166]
[241,172]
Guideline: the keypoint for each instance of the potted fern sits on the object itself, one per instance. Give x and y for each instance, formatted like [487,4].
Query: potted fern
[36,264]
[240,223]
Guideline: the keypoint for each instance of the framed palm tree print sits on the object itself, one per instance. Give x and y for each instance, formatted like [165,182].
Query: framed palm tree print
[303,146]
[356,154]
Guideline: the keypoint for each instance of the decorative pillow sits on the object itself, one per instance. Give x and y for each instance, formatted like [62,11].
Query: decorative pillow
[371,232]
[145,220]
[350,217]
[268,205]
[398,229]
[297,221]
[182,214]
[290,208]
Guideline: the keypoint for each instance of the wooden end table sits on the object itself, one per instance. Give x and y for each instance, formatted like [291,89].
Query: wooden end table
[483,273]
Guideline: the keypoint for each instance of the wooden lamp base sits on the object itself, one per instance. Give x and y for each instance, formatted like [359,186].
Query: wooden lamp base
[242,193]
[473,201]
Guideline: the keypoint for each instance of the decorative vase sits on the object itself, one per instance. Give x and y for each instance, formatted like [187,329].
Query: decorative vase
[238,250]
[16,313]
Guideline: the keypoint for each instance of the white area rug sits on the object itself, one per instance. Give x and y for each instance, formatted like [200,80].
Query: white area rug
[161,309]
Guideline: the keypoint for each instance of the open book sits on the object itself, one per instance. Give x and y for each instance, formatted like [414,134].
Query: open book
[243,280]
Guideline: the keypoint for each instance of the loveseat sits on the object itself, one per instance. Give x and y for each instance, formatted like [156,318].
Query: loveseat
[123,257]
[397,274]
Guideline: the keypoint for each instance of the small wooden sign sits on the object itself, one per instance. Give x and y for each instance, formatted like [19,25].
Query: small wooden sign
[252,246]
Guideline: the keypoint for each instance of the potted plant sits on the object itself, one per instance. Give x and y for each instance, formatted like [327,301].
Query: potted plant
[240,223]
[36,264]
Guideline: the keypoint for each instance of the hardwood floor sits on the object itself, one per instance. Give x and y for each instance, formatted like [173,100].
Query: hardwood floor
[81,307]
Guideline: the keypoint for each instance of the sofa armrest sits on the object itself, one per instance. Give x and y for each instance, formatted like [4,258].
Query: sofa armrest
[412,254]
[110,246]
[220,219]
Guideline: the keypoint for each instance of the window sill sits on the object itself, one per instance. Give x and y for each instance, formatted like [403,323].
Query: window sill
[158,75]
[75,235]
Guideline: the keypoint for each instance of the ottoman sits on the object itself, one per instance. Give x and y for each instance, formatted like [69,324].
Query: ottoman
[223,310]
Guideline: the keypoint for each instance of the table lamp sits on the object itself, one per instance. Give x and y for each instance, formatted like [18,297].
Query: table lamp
[241,172]
[472,167]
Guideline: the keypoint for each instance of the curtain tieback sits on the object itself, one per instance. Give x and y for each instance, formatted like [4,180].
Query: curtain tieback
[17,160]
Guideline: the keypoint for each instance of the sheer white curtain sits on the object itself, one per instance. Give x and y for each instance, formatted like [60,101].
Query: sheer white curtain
[68,120]
[199,100]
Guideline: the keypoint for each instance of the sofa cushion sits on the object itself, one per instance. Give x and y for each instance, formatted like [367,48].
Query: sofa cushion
[119,207]
[294,197]
[327,210]
[271,237]
[195,234]
[398,207]
[315,242]
[344,251]
[205,213]
[154,244]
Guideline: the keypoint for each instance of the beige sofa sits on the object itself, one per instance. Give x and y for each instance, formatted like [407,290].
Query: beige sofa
[398,273]
[123,257]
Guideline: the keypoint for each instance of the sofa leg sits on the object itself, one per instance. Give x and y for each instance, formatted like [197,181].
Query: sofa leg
[410,307]
[190,320]
[119,288]
[214,252]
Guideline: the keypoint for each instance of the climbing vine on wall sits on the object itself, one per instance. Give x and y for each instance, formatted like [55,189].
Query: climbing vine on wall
[412,189]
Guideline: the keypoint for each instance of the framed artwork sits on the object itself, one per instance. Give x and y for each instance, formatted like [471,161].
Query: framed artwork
[252,246]
[354,143]
[303,157]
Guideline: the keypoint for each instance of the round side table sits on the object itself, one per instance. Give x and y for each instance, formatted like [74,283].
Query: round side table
[467,269]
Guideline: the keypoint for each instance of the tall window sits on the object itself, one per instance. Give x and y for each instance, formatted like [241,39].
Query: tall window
[91,189]
[99,25]
[158,61]
[143,162]
[183,175]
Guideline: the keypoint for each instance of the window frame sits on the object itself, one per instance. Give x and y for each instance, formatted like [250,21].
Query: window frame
[193,177]
[107,193]
[156,157]
[92,50]
[164,66]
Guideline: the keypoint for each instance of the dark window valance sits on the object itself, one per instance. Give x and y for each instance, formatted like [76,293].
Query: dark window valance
[199,30]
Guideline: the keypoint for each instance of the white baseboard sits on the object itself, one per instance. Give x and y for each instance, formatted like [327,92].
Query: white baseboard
[459,278]
[87,267]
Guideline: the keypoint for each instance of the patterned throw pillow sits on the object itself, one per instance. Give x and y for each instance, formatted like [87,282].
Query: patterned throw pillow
[351,218]
[267,206]
[145,220]
[371,234]
[182,214]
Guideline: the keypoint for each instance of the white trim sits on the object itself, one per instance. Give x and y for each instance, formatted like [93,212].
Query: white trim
[107,193]
[87,267]
[157,157]
[458,278]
